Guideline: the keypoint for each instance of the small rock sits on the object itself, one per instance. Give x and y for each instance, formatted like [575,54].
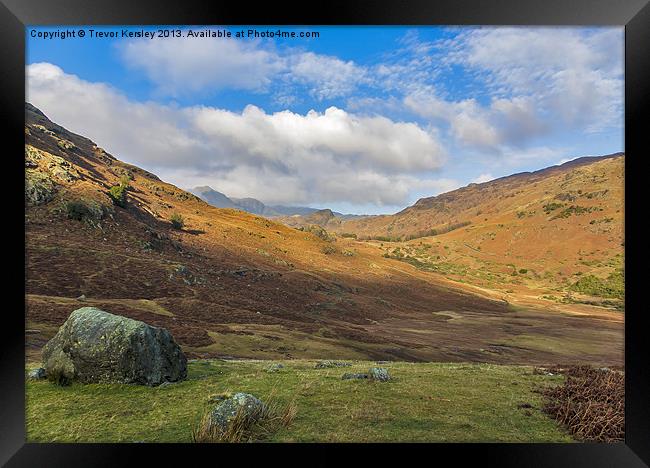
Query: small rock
[82,297]
[328,364]
[166,383]
[379,373]
[349,376]
[36,374]
[251,408]
[274,367]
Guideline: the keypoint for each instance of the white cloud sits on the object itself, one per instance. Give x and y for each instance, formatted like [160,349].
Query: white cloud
[329,76]
[284,157]
[540,83]
[573,75]
[483,178]
[187,65]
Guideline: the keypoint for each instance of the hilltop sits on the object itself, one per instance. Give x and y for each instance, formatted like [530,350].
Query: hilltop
[230,283]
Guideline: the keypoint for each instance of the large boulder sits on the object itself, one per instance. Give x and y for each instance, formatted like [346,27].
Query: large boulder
[96,346]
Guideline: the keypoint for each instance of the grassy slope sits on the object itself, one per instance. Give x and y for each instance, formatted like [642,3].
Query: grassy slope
[424,402]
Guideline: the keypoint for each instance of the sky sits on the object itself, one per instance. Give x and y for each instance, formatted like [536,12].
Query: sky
[362,120]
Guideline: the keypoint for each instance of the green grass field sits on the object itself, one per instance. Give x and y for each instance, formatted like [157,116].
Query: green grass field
[424,402]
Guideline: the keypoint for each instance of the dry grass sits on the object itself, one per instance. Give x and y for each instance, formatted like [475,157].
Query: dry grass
[246,428]
[591,403]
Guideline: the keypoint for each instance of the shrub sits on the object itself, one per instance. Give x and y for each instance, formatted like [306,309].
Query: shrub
[118,195]
[591,403]
[177,221]
[552,206]
[523,271]
[82,210]
[612,286]
[350,235]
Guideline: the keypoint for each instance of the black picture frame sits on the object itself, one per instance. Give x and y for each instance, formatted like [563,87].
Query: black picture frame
[633,14]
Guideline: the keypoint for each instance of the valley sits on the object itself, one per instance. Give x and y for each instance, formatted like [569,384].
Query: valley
[504,288]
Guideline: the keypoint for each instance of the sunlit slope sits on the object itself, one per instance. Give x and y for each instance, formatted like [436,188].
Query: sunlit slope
[559,229]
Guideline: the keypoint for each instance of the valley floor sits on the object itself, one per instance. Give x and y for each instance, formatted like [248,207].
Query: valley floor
[424,402]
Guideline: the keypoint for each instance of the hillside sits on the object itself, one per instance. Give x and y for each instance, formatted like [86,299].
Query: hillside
[231,283]
[556,233]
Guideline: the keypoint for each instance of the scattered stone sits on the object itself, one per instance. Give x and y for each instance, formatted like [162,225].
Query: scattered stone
[166,383]
[96,346]
[251,408]
[328,364]
[82,297]
[37,374]
[275,367]
[379,373]
[349,376]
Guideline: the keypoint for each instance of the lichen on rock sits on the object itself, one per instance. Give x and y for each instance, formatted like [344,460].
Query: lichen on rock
[248,407]
[96,346]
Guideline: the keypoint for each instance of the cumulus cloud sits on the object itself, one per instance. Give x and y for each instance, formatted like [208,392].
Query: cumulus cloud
[283,157]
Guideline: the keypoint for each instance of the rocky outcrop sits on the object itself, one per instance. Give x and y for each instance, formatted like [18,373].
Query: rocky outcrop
[96,346]
[39,188]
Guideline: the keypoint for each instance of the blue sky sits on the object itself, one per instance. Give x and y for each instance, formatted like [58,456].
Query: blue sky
[359,119]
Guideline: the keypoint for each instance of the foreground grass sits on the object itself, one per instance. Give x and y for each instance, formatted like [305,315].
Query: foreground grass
[426,402]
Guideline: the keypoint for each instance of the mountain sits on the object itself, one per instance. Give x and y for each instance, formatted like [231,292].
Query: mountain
[214,198]
[250,205]
[225,282]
